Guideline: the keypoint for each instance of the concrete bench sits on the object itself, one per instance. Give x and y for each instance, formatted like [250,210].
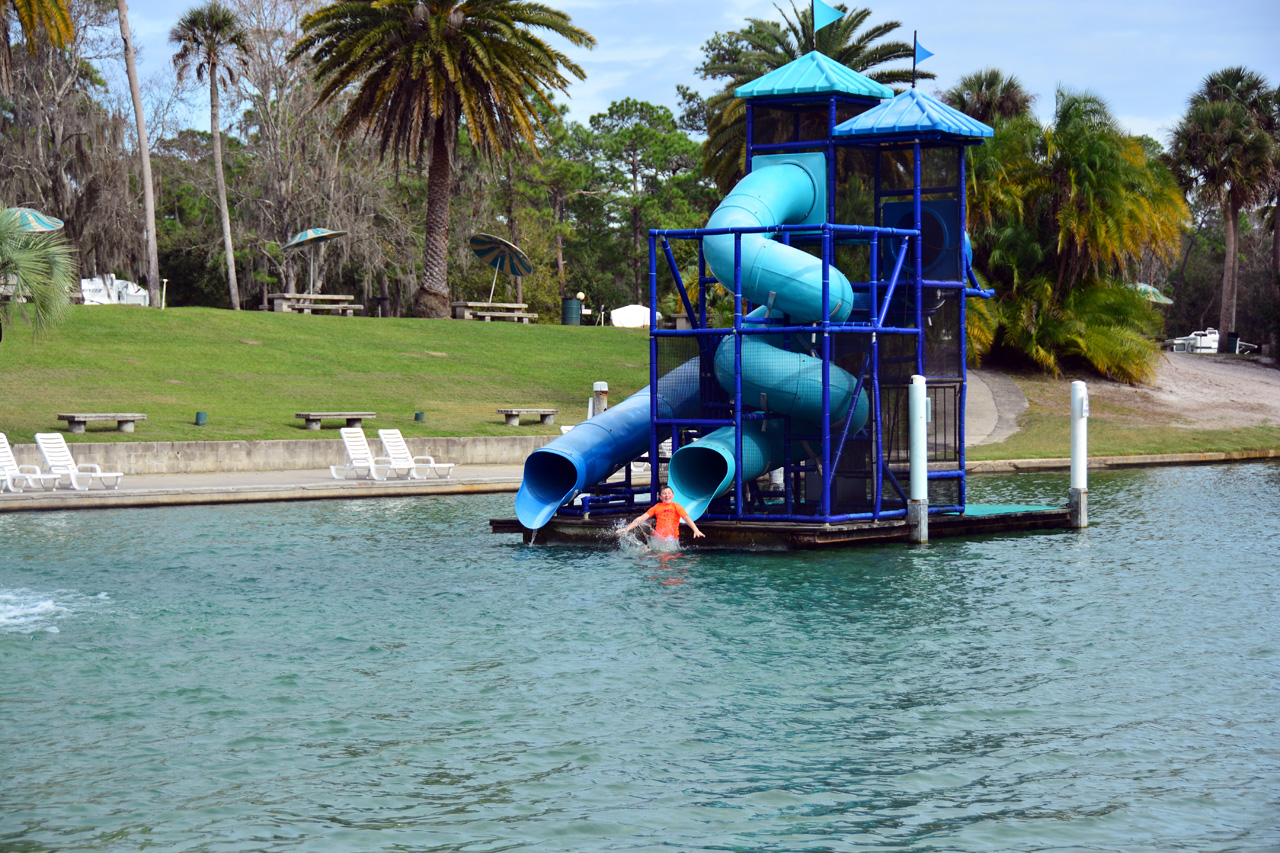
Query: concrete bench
[124,421]
[345,309]
[548,416]
[513,316]
[306,303]
[312,420]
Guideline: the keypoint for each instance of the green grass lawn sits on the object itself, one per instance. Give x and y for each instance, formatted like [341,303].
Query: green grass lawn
[252,370]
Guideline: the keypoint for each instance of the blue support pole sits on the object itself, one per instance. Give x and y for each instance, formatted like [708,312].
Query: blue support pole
[918,266]
[964,337]
[675,273]
[831,159]
[737,374]
[653,366]
[827,474]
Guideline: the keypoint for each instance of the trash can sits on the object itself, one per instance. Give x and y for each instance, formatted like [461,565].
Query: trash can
[1232,346]
[570,312]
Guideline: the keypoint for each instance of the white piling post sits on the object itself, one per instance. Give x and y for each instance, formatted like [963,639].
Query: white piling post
[918,456]
[599,397]
[1078,500]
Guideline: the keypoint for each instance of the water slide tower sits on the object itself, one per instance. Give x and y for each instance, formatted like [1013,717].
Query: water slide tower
[845,253]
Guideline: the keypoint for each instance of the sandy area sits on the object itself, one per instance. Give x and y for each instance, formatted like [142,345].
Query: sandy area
[1192,391]
[1204,391]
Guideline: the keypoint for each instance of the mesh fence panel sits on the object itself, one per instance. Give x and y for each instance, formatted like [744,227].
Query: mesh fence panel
[943,342]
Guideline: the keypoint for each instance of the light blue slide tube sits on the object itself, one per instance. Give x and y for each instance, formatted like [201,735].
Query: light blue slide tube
[596,448]
[775,195]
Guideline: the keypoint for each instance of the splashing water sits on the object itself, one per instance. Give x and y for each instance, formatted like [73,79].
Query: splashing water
[25,611]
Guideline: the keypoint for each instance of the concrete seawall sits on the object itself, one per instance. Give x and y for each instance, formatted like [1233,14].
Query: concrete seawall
[204,457]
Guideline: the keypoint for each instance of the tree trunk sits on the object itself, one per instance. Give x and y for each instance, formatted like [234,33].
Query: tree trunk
[432,296]
[384,301]
[1227,310]
[515,241]
[144,153]
[559,220]
[216,115]
[6,54]
[636,225]
[1275,273]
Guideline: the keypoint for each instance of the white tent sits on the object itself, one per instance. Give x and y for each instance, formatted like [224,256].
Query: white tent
[631,317]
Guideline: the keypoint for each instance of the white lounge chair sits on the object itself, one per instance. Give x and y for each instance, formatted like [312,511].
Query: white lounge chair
[58,461]
[360,459]
[401,459]
[13,477]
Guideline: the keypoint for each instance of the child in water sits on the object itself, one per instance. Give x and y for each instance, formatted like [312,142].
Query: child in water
[667,513]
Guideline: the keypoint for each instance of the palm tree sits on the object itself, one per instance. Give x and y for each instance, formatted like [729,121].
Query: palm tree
[421,70]
[37,272]
[51,16]
[763,46]
[211,41]
[989,96]
[1224,148]
[1107,198]
[1057,213]
[144,153]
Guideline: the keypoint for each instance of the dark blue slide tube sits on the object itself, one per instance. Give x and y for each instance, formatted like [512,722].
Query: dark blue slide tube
[596,448]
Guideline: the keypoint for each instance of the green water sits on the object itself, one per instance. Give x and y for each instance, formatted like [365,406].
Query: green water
[387,675]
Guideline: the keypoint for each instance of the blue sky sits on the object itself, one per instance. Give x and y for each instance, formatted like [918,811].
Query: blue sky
[1143,56]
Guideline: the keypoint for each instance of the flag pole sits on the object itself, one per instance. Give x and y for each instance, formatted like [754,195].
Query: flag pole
[915,51]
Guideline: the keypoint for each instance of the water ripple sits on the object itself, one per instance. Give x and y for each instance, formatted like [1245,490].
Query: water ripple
[387,675]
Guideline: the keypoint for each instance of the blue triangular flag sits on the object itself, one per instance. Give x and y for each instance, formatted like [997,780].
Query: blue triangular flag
[824,14]
[921,53]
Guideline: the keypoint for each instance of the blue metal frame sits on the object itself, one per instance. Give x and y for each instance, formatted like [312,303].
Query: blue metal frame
[743,502]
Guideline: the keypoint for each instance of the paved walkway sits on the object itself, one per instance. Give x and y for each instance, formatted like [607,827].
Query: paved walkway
[251,486]
[993,404]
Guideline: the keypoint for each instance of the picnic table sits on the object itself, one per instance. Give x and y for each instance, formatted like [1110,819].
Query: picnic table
[512,311]
[311,303]
[124,420]
[311,420]
[548,416]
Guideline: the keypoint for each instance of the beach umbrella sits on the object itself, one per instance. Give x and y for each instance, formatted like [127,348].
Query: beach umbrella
[309,239]
[502,256]
[1150,293]
[34,220]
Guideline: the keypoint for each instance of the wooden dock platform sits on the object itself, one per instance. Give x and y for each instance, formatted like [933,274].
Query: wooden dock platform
[978,520]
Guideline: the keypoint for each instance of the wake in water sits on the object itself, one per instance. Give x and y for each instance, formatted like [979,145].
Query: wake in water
[24,611]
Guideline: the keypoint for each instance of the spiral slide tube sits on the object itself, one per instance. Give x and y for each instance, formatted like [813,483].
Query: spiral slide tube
[774,380]
[594,449]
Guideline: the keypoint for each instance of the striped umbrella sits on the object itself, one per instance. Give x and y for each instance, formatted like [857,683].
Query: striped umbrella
[1150,293]
[310,237]
[34,220]
[502,256]
[305,239]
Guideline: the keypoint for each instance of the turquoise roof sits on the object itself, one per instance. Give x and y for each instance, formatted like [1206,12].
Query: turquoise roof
[812,74]
[912,112]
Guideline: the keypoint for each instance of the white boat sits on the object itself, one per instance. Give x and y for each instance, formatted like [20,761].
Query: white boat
[1206,341]
[106,289]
